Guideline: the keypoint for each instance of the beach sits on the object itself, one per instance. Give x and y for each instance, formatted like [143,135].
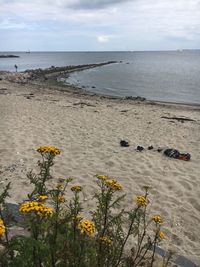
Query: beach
[88,129]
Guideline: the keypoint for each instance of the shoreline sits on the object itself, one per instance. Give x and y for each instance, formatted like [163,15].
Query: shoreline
[82,92]
[54,77]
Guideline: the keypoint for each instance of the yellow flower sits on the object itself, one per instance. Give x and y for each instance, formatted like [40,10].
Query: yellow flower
[106,240]
[2,228]
[87,227]
[157,219]
[37,208]
[49,150]
[142,200]
[61,199]
[42,198]
[102,177]
[76,188]
[60,186]
[77,218]
[161,234]
[113,184]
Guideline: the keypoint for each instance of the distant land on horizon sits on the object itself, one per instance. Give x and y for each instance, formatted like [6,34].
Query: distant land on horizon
[95,51]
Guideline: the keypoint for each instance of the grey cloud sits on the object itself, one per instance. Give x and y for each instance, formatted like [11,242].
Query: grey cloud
[94,4]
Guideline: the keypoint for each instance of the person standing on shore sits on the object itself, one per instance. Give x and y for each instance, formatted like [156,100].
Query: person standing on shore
[16,67]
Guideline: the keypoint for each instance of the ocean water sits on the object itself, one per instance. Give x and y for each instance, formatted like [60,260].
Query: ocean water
[172,76]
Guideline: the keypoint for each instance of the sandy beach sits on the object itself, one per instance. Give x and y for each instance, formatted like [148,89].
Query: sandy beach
[88,129]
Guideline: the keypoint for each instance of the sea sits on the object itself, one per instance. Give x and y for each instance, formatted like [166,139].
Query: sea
[169,76]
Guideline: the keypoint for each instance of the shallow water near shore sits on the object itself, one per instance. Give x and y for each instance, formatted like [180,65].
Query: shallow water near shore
[162,76]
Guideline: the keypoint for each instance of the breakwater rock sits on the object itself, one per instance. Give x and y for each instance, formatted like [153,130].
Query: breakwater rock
[60,71]
[8,56]
[52,73]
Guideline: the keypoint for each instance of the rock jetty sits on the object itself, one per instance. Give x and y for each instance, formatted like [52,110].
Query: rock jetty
[42,75]
[8,56]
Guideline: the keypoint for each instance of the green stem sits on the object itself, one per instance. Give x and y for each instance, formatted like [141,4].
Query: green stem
[126,238]
[142,257]
[143,235]
[104,226]
[55,233]
[36,257]
[154,250]
[46,167]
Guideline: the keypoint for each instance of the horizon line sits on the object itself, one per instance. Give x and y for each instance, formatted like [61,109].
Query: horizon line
[91,51]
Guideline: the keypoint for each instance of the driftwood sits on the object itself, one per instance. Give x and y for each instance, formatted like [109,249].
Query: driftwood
[83,104]
[177,118]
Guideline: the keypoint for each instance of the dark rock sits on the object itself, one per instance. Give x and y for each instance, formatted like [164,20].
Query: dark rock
[8,56]
[140,98]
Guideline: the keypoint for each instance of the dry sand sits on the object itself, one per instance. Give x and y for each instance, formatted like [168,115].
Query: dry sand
[88,130]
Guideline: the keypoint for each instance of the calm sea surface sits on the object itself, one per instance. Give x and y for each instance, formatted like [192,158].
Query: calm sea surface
[166,76]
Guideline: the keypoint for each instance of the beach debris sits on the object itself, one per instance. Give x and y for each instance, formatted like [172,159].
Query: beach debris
[174,153]
[28,96]
[11,168]
[3,91]
[140,148]
[139,98]
[124,110]
[124,143]
[150,147]
[181,119]
[83,104]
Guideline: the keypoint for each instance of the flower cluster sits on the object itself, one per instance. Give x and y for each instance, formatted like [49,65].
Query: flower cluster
[113,184]
[157,219]
[36,207]
[60,186]
[61,199]
[102,177]
[86,227]
[77,218]
[76,188]
[106,240]
[42,198]
[49,149]
[2,228]
[142,200]
[161,234]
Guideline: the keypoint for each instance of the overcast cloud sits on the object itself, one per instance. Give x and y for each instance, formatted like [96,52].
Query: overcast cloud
[93,4]
[99,24]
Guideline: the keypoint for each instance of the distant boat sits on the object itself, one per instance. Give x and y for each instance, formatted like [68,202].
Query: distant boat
[28,51]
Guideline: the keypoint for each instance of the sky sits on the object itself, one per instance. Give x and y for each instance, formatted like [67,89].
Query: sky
[99,25]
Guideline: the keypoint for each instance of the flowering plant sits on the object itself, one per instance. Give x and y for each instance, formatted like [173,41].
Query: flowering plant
[60,234]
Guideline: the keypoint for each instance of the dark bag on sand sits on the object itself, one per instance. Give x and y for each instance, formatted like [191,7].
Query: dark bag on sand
[173,153]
